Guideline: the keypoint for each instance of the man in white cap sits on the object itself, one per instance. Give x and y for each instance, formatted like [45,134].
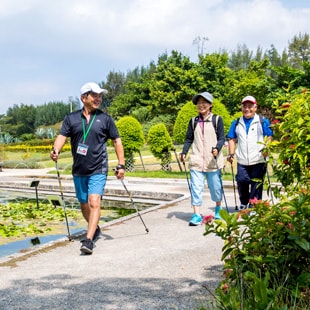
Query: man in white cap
[249,131]
[88,130]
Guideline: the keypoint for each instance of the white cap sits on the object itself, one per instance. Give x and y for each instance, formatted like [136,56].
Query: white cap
[93,87]
[249,99]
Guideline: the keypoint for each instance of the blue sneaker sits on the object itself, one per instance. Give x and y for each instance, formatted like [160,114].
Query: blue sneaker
[195,220]
[217,213]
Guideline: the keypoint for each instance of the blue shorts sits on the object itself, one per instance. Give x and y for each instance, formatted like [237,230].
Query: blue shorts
[87,185]
[197,185]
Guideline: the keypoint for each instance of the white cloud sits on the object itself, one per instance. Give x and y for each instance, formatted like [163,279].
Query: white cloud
[50,48]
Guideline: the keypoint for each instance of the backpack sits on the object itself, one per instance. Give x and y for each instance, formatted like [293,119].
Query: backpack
[214,122]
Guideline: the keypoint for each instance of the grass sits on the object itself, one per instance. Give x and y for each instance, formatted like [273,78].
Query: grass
[149,168]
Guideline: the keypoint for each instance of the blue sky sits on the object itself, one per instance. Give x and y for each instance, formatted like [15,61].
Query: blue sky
[48,49]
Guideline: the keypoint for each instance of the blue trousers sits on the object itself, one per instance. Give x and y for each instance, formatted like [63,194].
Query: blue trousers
[198,182]
[250,181]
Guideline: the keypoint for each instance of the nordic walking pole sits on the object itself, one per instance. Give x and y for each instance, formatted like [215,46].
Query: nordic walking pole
[233,177]
[62,198]
[189,186]
[269,183]
[176,156]
[134,205]
[220,175]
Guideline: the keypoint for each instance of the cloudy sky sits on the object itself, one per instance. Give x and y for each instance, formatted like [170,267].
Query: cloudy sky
[48,49]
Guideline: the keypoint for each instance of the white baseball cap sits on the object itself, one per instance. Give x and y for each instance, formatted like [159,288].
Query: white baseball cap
[93,87]
[249,99]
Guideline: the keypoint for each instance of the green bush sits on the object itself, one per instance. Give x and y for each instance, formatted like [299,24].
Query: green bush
[166,119]
[131,134]
[292,141]
[267,249]
[220,109]
[188,111]
[160,142]
[266,255]
[27,163]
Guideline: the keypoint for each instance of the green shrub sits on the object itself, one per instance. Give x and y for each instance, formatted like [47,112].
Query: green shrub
[266,255]
[131,134]
[188,111]
[292,141]
[166,119]
[160,142]
[267,249]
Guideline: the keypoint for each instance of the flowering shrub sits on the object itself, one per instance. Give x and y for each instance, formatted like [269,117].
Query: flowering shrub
[267,248]
[292,141]
[266,255]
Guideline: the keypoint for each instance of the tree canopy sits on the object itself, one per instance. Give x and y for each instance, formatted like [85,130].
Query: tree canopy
[157,93]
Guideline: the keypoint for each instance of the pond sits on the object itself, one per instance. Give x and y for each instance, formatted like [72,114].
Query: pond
[111,209]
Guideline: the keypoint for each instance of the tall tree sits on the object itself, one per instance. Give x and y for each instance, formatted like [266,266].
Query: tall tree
[241,58]
[299,50]
[172,84]
[213,71]
[21,119]
[51,113]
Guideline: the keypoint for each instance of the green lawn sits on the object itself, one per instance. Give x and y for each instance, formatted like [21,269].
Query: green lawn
[150,168]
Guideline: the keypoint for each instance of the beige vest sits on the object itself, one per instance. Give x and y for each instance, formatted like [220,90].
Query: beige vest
[205,139]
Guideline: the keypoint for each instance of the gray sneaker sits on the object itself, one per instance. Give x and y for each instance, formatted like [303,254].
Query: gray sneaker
[87,246]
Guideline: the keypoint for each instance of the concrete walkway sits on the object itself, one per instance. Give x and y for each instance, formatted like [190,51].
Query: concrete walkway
[166,268]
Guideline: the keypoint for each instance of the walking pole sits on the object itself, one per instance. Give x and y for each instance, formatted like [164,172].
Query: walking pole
[134,205]
[189,186]
[62,198]
[233,177]
[220,175]
[269,183]
[176,156]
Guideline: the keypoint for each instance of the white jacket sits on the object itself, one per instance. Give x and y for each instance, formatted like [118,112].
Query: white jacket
[250,145]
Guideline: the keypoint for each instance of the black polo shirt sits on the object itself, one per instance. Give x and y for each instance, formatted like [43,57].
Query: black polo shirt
[102,128]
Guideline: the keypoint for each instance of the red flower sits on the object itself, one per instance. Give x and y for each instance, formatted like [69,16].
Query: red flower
[225,287]
[275,121]
[253,201]
[207,219]
[290,226]
[227,272]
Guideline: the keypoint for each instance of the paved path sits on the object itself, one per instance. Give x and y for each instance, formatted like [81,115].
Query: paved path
[129,269]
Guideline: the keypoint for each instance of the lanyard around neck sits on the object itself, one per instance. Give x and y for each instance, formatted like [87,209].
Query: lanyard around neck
[85,133]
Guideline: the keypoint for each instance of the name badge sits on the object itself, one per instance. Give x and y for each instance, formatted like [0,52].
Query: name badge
[82,149]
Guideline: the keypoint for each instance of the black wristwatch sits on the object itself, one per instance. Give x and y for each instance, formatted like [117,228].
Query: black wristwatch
[119,166]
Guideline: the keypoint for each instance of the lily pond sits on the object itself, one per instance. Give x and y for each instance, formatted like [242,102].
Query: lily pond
[26,222]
